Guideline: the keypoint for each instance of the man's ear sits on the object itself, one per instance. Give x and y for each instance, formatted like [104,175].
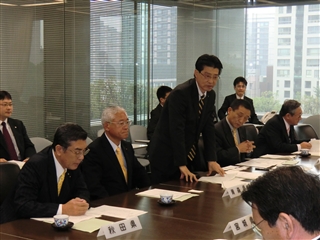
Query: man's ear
[285,225]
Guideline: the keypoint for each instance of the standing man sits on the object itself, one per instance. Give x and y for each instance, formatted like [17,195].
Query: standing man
[232,143]
[285,204]
[188,111]
[110,167]
[239,85]
[14,141]
[277,135]
[162,94]
[50,182]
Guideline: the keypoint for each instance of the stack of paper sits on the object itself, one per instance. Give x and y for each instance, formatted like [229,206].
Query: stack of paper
[155,193]
[283,157]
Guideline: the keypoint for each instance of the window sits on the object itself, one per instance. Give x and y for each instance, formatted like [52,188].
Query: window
[313,29]
[314,8]
[316,74]
[284,20]
[307,84]
[284,30]
[313,51]
[284,41]
[307,93]
[312,62]
[313,40]
[283,73]
[287,94]
[283,62]
[308,73]
[284,52]
[313,19]
[286,84]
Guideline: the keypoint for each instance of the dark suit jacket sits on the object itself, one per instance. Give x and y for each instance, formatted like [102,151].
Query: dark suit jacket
[227,102]
[103,173]
[179,127]
[273,138]
[155,115]
[36,193]
[24,144]
[227,151]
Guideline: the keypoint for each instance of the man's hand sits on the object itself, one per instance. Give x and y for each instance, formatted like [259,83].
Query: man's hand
[305,145]
[246,146]
[215,167]
[3,160]
[26,160]
[75,207]
[185,173]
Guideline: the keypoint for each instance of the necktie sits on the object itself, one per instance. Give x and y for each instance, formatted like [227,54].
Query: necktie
[192,152]
[234,133]
[60,182]
[7,138]
[121,162]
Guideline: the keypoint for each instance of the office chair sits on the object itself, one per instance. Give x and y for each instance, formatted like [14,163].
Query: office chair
[99,132]
[40,143]
[8,176]
[314,121]
[88,140]
[305,131]
[251,132]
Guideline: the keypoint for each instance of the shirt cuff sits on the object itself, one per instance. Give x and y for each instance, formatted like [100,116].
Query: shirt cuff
[299,147]
[59,209]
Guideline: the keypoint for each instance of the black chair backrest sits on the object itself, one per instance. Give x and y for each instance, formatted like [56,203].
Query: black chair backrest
[251,132]
[8,177]
[305,131]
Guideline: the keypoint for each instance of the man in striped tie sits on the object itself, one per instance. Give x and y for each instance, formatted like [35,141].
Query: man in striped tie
[187,113]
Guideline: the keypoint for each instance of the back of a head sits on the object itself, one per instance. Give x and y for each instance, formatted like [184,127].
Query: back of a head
[240,102]
[289,106]
[5,95]
[288,190]
[210,61]
[240,79]
[68,132]
[162,91]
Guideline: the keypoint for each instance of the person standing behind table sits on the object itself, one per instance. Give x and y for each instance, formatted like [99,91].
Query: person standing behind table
[107,174]
[232,143]
[240,85]
[50,182]
[278,135]
[173,147]
[18,146]
[285,204]
[162,94]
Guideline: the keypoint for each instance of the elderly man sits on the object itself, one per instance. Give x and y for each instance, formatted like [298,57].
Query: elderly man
[110,167]
[285,204]
[277,135]
[50,182]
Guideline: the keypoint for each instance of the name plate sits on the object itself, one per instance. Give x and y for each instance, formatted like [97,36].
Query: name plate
[239,225]
[234,191]
[120,228]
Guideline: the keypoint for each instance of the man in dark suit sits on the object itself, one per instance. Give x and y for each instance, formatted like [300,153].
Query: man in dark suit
[187,112]
[105,172]
[277,135]
[240,85]
[232,143]
[162,94]
[50,182]
[22,147]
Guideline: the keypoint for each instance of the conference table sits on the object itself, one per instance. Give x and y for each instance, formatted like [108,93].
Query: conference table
[201,217]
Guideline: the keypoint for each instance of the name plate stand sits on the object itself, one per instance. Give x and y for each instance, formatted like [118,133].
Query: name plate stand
[119,228]
[239,225]
[234,191]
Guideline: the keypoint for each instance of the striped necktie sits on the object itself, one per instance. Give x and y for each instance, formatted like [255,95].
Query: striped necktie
[61,179]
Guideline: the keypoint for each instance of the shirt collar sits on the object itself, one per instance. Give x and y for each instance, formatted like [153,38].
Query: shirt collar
[287,124]
[199,92]
[59,168]
[238,97]
[113,145]
[230,124]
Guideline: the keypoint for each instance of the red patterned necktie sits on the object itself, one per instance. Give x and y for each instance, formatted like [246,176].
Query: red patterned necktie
[7,138]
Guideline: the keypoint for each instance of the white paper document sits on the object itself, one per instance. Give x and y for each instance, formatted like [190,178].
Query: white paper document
[19,163]
[273,156]
[315,149]
[218,178]
[262,163]
[156,192]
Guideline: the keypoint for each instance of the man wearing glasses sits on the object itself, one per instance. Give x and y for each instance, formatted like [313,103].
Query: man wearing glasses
[285,204]
[14,141]
[110,167]
[187,112]
[50,182]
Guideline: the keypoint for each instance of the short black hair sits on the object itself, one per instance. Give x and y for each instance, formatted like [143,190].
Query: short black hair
[66,133]
[240,102]
[5,95]
[162,91]
[238,80]
[289,106]
[289,190]
[210,61]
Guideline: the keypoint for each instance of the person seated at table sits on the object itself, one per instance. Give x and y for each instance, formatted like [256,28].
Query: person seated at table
[240,85]
[111,167]
[278,136]
[14,141]
[232,143]
[50,182]
[162,94]
[285,204]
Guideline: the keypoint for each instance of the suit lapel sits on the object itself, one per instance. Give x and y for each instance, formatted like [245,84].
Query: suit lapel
[16,133]
[52,178]
[227,131]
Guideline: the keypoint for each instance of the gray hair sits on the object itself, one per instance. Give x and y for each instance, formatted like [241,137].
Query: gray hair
[289,106]
[109,113]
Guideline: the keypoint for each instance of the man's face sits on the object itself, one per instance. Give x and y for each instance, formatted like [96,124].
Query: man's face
[118,129]
[5,108]
[207,78]
[295,118]
[238,117]
[71,157]
[240,89]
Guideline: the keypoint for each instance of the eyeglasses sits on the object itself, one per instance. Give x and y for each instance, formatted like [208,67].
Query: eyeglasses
[122,123]
[208,77]
[6,104]
[78,152]
[256,229]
